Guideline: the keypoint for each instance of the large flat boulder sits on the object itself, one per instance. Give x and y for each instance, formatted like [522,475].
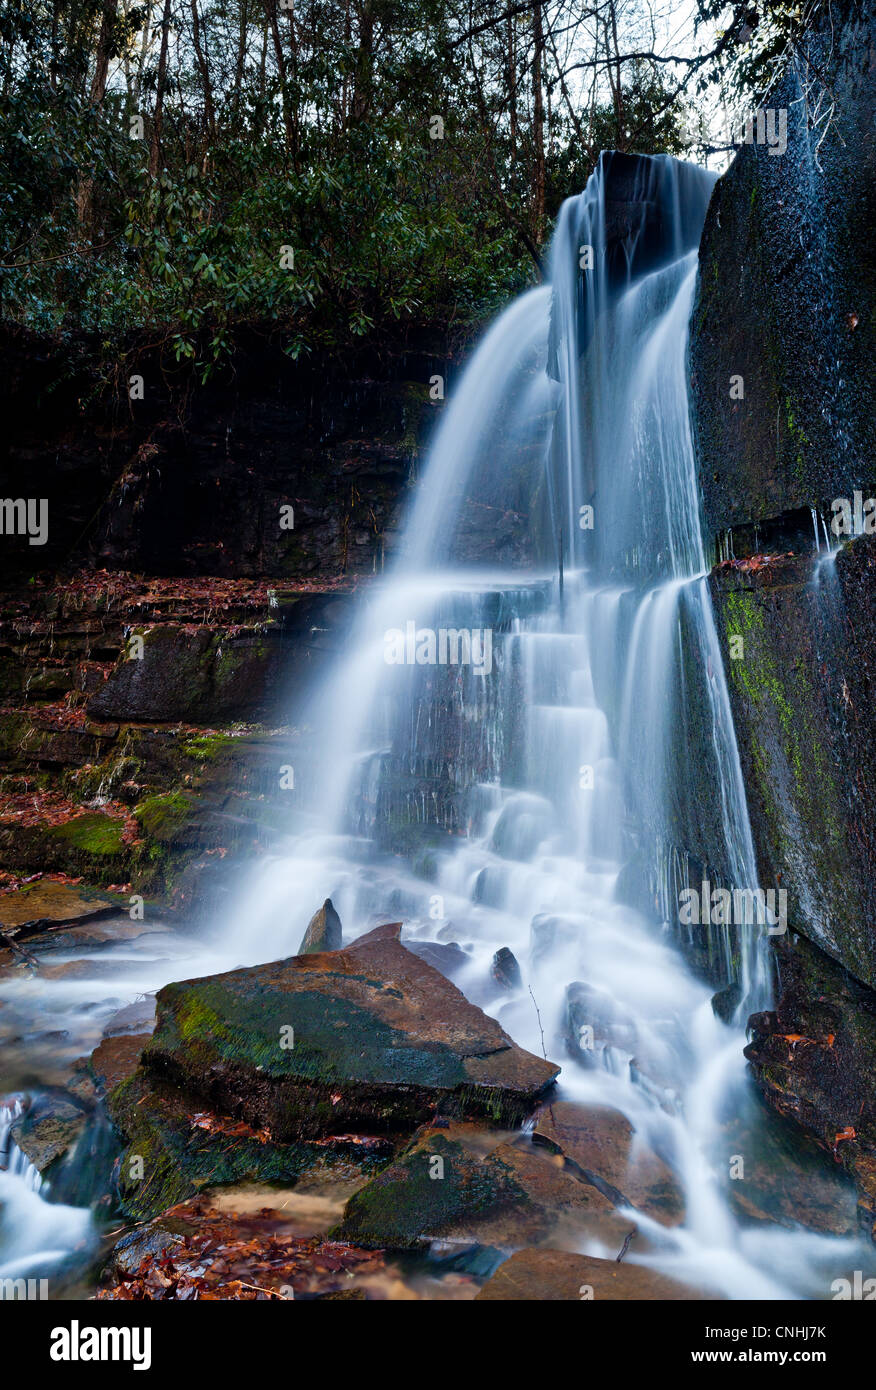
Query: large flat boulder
[38,906]
[538,1276]
[566,1183]
[369,1038]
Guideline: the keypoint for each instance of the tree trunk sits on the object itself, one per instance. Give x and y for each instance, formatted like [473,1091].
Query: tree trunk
[141,57]
[364,73]
[512,85]
[155,150]
[538,125]
[241,58]
[97,92]
[201,55]
[616,83]
[281,72]
[345,88]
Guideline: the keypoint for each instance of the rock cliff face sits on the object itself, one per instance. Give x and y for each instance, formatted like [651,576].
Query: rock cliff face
[813,1059]
[151,649]
[803,695]
[787,302]
[783,361]
[191,479]
[203,549]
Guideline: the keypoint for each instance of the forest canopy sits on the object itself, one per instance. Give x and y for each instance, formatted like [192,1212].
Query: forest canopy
[176,168]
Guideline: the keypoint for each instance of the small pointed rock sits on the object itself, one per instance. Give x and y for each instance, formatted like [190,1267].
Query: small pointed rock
[505,970]
[323,932]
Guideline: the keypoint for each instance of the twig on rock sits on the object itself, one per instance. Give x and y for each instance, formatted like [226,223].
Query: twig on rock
[626,1245]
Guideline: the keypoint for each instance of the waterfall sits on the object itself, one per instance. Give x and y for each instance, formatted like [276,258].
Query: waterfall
[35,1234]
[12,1160]
[555,799]
[574,407]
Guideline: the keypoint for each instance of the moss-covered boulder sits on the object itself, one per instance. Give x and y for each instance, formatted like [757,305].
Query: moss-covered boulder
[174,1150]
[566,1181]
[91,844]
[369,1038]
[163,816]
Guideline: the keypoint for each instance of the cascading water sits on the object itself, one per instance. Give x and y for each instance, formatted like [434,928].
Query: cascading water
[513,760]
[35,1235]
[516,805]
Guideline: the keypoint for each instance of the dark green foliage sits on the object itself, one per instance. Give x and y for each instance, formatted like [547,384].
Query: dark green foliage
[159,157]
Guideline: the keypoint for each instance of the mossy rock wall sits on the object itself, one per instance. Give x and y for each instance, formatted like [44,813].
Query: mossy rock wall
[186,760]
[812,1057]
[803,690]
[192,479]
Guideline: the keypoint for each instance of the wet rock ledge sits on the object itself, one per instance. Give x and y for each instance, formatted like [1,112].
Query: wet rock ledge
[812,1057]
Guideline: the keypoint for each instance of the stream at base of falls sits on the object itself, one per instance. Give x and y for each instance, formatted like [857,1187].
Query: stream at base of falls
[511,761]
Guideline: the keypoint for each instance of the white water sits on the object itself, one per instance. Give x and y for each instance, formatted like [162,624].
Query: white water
[569,760]
[34,1234]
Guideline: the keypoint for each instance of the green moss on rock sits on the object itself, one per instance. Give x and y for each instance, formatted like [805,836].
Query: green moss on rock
[170,1156]
[163,816]
[800,691]
[370,1039]
[92,834]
